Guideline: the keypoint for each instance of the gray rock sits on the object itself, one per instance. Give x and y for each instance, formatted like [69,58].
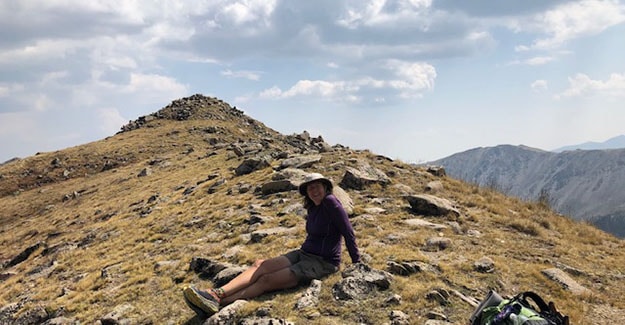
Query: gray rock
[310,298]
[437,244]
[227,314]
[224,276]
[259,235]
[420,223]
[61,321]
[25,254]
[345,199]
[7,312]
[393,300]
[434,186]
[262,321]
[484,265]
[398,317]
[300,162]
[279,186]
[441,296]
[437,171]
[431,205]
[253,164]
[36,315]
[406,268]
[206,268]
[565,281]
[116,316]
[359,281]
[362,177]
[145,172]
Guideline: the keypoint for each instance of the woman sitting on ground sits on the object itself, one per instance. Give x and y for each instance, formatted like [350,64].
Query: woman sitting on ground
[318,257]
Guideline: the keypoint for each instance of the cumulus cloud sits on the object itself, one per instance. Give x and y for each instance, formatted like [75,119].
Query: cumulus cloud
[406,79]
[572,20]
[582,85]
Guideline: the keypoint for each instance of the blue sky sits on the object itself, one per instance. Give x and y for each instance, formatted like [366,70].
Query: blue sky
[415,80]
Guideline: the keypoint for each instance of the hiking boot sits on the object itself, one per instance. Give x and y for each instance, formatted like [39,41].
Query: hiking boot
[202,300]
[200,313]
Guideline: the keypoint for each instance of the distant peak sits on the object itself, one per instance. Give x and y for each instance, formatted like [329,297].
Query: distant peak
[195,107]
[617,142]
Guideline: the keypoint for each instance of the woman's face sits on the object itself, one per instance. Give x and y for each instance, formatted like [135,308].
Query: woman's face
[316,192]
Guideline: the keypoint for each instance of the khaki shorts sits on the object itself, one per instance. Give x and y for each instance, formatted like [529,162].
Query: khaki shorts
[307,267]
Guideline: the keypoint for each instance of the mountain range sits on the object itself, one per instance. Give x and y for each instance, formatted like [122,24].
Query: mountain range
[583,184]
[617,142]
[109,232]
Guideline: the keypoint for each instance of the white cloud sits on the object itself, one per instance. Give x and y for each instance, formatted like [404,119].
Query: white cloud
[111,120]
[325,89]
[249,10]
[340,91]
[572,20]
[152,83]
[408,79]
[413,76]
[539,60]
[250,75]
[583,85]
[381,12]
[539,85]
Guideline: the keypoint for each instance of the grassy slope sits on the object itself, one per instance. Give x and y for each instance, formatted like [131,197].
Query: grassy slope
[522,238]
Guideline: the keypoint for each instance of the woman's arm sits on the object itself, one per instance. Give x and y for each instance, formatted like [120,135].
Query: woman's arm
[342,223]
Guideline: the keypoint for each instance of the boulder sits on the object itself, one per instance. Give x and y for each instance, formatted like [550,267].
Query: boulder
[431,205]
[253,164]
[227,314]
[484,265]
[310,298]
[360,281]
[362,177]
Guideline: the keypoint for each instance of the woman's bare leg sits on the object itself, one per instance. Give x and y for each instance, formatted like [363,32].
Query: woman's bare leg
[252,274]
[280,279]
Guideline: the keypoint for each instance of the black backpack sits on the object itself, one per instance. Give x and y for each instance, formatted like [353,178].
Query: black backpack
[526,308]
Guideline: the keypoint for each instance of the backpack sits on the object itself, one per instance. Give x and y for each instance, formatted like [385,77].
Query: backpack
[519,310]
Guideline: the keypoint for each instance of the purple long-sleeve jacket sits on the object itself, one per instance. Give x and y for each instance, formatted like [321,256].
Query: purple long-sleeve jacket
[326,223]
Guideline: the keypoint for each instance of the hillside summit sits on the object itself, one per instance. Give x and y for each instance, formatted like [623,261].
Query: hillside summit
[109,232]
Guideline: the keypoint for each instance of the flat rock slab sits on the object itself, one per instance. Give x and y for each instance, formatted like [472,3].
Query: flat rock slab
[565,280]
[420,223]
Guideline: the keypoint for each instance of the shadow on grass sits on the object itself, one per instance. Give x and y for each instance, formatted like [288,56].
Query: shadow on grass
[196,320]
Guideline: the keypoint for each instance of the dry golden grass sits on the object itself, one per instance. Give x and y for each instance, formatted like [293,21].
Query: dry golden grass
[115,248]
